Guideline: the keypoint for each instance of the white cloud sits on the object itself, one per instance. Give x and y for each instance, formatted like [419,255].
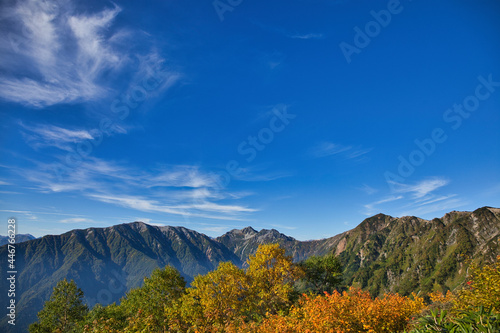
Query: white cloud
[211,206]
[258,173]
[419,198]
[191,210]
[443,207]
[76,220]
[50,135]
[368,189]
[31,213]
[370,207]
[308,36]
[325,149]
[51,53]
[433,199]
[177,190]
[146,220]
[358,153]
[59,56]
[184,176]
[4,183]
[421,189]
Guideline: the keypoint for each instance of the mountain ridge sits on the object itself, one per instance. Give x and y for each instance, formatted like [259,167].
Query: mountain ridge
[381,254]
[19,238]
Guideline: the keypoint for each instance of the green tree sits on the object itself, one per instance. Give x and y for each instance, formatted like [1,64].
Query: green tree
[63,311]
[145,306]
[105,319]
[321,273]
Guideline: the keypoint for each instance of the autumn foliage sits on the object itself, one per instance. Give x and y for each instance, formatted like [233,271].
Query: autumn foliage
[482,288]
[263,298]
[351,311]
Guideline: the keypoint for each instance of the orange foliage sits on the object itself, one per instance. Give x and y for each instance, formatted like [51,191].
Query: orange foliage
[351,311]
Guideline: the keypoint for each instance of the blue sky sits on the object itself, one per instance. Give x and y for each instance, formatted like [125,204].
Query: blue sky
[304,116]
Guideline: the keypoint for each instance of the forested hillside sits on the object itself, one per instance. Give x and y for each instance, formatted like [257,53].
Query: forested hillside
[382,254]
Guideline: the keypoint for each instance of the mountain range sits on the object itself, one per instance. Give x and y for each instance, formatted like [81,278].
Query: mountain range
[382,254]
[19,238]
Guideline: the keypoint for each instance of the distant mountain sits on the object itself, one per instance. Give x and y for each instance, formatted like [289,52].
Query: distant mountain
[387,254]
[19,238]
[105,262]
[411,254]
[381,254]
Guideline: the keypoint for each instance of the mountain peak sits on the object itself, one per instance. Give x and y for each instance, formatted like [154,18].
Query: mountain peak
[248,230]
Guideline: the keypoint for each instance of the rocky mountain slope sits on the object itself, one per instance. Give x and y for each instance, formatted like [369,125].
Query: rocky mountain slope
[381,254]
[105,262]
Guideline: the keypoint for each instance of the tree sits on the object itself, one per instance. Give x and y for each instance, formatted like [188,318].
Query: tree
[482,287]
[321,274]
[63,311]
[353,310]
[145,306]
[105,319]
[272,276]
[217,298]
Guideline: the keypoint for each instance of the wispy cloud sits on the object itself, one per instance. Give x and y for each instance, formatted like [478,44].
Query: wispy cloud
[4,183]
[76,220]
[53,72]
[178,190]
[422,188]
[148,221]
[371,206]
[358,152]
[27,214]
[325,149]
[418,198]
[205,210]
[368,189]
[53,53]
[442,206]
[183,176]
[308,36]
[284,32]
[50,135]
[434,199]
[31,213]
[328,149]
[260,174]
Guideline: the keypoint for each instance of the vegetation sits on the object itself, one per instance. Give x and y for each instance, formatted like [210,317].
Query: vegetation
[63,312]
[263,298]
[474,308]
[321,273]
[381,255]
